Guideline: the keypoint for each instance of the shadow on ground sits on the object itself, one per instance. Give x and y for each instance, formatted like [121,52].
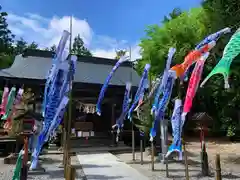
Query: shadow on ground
[233,159]
[46,160]
[93,166]
[100,177]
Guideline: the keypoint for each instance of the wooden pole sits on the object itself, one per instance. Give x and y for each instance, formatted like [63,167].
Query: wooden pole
[218,175]
[150,116]
[166,163]
[113,121]
[133,143]
[25,159]
[141,149]
[69,119]
[152,155]
[185,161]
[133,133]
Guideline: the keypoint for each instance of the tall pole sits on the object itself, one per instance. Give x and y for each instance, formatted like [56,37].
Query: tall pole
[70,92]
[133,133]
[151,117]
[69,114]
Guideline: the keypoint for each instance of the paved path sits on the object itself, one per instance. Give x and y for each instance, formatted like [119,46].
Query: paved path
[97,166]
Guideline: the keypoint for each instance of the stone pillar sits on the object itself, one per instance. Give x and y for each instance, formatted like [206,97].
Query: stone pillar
[164,139]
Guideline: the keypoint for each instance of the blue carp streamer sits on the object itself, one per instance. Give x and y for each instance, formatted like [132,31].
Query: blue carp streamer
[106,83]
[162,105]
[161,86]
[125,106]
[55,97]
[212,37]
[176,122]
[140,90]
[52,72]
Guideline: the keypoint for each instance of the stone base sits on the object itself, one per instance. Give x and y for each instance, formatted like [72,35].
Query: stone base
[38,169]
[61,165]
[12,158]
[172,158]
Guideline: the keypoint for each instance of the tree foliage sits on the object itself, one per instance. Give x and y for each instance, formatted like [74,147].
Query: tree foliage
[79,48]
[183,31]
[120,53]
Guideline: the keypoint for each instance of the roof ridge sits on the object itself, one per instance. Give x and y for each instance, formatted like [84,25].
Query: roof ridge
[86,59]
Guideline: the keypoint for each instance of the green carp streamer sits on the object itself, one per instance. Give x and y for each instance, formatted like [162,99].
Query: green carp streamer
[231,51]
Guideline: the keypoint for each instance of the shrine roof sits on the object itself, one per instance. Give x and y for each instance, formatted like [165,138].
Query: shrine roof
[34,64]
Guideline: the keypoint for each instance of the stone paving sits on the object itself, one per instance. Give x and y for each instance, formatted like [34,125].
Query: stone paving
[176,169]
[105,165]
[49,163]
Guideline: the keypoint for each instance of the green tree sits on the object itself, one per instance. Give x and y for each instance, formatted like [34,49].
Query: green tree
[6,37]
[223,14]
[53,48]
[173,15]
[120,53]
[182,32]
[79,48]
[21,45]
[6,40]
[33,45]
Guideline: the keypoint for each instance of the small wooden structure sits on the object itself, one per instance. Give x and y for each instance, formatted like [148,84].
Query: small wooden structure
[203,121]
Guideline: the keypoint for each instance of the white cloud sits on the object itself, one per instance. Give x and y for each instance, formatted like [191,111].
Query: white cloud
[47,31]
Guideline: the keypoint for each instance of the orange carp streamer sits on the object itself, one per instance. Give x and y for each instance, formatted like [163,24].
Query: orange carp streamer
[192,57]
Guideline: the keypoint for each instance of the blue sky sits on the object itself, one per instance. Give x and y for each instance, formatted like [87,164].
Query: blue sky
[105,25]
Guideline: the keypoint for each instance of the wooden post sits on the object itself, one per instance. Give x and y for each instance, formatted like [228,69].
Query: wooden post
[25,159]
[218,175]
[133,144]
[166,163]
[185,161]
[113,121]
[204,161]
[141,150]
[152,155]
[68,172]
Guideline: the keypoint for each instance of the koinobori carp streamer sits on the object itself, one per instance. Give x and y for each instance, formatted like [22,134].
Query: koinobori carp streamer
[231,50]
[106,83]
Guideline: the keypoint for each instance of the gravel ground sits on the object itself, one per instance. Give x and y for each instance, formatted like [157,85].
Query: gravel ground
[230,163]
[50,163]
